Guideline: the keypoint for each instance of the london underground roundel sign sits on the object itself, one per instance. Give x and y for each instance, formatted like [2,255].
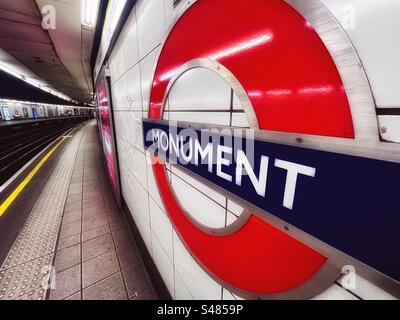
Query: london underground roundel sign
[293,86]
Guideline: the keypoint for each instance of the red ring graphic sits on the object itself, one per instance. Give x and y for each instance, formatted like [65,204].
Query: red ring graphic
[294,86]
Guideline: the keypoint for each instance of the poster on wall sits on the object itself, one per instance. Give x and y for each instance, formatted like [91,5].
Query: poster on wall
[26,114]
[35,113]
[105,118]
[6,112]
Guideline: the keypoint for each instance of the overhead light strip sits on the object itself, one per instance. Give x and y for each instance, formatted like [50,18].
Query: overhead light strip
[89,12]
[35,83]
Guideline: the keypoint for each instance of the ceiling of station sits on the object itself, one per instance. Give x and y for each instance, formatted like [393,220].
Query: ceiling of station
[58,57]
[13,88]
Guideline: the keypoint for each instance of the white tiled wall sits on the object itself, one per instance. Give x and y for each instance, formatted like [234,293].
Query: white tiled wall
[150,24]
[335,292]
[162,228]
[202,87]
[196,184]
[373,28]
[132,65]
[219,118]
[133,94]
[181,291]
[390,128]
[200,207]
[147,68]
[200,285]
[163,263]
[126,52]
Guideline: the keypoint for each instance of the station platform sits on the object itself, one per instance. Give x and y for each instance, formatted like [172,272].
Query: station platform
[74,243]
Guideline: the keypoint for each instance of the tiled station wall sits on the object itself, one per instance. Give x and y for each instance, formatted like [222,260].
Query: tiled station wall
[371,26]
[132,64]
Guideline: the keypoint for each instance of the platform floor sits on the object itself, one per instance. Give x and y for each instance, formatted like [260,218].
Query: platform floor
[76,243]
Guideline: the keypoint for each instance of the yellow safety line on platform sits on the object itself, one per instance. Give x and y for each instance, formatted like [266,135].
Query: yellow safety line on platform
[6,204]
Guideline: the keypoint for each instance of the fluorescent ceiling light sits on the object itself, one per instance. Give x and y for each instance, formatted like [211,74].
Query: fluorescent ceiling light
[34,82]
[90,9]
[11,72]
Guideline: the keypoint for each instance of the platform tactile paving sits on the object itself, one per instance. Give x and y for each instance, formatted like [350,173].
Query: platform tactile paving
[26,271]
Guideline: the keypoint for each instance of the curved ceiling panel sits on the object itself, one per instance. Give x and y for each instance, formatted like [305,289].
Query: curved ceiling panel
[58,57]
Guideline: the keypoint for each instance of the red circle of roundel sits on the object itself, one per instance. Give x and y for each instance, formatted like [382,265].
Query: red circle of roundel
[294,86]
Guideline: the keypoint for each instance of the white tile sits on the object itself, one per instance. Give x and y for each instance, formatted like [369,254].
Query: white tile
[200,285]
[129,127]
[372,27]
[226,295]
[118,93]
[200,89]
[136,164]
[235,208]
[130,43]
[181,292]
[152,184]
[218,118]
[173,13]
[390,128]
[212,194]
[162,228]
[116,63]
[145,232]
[119,121]
[147,68]
[135,133]
[125,53]
[198,206]
[367,291]
[118,124]
[136,199]
[136,196]
[150,24]
[163,264]
[230,218]
[335,292]
[121,145]
[140,213]
[126,91]
[240,120]
[133,94]
[121,157]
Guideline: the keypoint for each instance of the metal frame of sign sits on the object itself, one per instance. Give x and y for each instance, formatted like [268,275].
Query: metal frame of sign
[367,142]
